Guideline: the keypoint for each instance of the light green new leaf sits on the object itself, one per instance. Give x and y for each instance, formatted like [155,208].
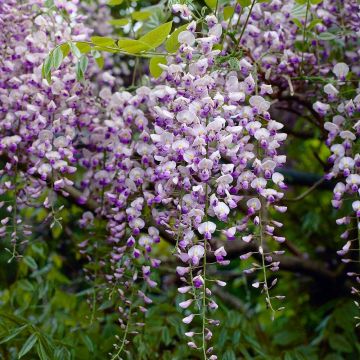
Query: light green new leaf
[244,3]
[98,58]
[57,57]
[28,345]
[140,15]
[83,47]
[172,43]
[156,37]
[106,49]
[313,23]
[119,22]
[100,62]
[102,41]
[211,4]
[298,23]
[65,48]
[228,12]
[115,2]
[316,2]
[133,46]
[155,69]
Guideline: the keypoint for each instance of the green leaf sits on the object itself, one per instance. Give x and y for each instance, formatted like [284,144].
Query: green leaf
[83,63]
[298,11]
[244,3]
[115,2]
[229,355]
[140,15]
[228,12]
[102,41]
[222,338]
[313,23]
[74,49]
[133,46]
[14,332]
[119,22]
[298,23]
[41,352]
[236,337]
[30,262]
[28,345]
[285,337]
[316,2]
[79,77]
[62,354]
[26,285]
[100,62]
[326,36]
[211,3]
[56,230]
[156,37]
[172,43]
[83,47]
[155,69]
[106,49]
[49,3]
[57,57]
[46,68]
[88,343]
[65,48]
[14,318]
[165,336]
[339,343]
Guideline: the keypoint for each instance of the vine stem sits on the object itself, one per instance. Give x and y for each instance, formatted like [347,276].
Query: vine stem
[179,221]
[204,263]
[204,272]
[246,22]
[358,235]
[262,235]
[117,355]
[13,235]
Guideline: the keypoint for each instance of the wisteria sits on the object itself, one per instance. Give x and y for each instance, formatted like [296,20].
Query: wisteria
[343,130]
[193,155]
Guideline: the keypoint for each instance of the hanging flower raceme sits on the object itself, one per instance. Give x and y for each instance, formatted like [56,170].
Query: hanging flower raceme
[215,148]
[343,130]
[48,131]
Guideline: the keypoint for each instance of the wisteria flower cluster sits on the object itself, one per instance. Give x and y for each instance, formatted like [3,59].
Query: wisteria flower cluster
[343,131]
[193,157]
